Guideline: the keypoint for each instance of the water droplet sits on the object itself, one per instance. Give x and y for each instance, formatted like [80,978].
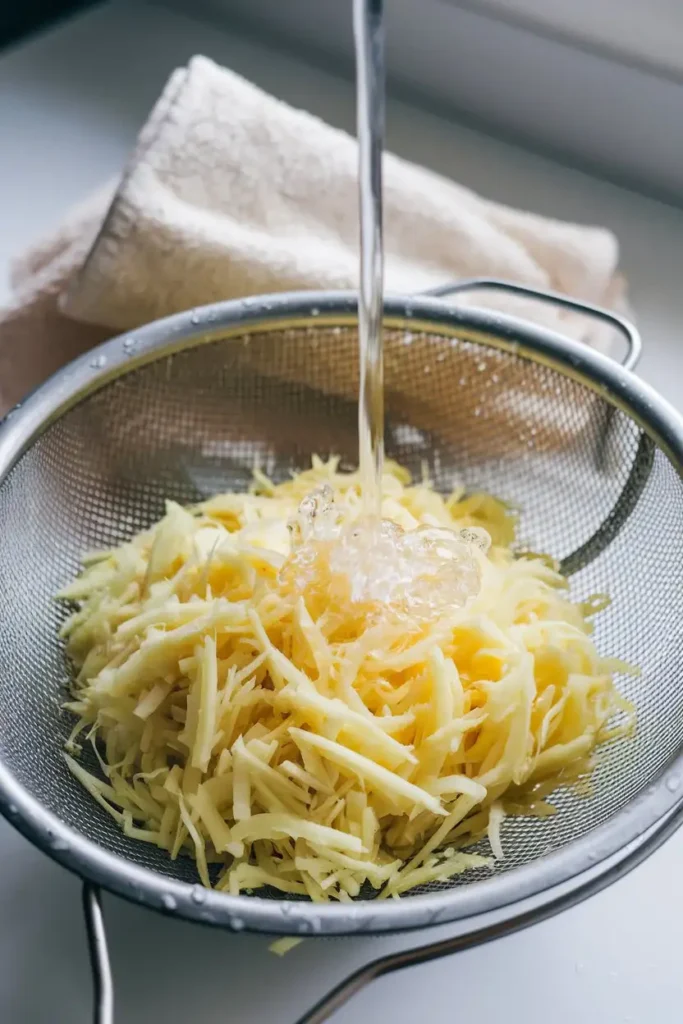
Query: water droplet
[315,311]
[129,344]
[285,909]
[195,318]
[672,783]
[59,845]
[198,894]
[168,901]
[98,362]
[12,809]
[237,924]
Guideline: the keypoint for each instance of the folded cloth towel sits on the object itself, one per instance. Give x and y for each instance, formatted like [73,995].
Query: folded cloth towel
[230,192]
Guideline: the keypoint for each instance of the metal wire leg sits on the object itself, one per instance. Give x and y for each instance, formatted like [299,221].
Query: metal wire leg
[619,515]
[347,988]
[103,984]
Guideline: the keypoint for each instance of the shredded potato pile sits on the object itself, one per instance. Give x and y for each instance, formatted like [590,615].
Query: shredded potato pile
[300,741]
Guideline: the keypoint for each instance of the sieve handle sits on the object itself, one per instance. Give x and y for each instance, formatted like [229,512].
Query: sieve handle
[339,996]
[98,950]
[624,327]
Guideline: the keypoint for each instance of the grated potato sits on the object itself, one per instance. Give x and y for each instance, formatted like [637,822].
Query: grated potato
[291,739]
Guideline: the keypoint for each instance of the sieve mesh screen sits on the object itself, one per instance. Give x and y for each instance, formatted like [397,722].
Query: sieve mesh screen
[196,422]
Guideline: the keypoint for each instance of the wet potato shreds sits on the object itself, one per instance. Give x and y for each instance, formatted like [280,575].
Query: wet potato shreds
[302,741]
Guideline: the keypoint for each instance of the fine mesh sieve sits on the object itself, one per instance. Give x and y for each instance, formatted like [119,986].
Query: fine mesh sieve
[189,405]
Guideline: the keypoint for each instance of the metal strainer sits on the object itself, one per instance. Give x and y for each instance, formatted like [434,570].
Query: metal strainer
[188,405]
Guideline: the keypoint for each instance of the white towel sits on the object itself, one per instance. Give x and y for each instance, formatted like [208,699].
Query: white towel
[230,192]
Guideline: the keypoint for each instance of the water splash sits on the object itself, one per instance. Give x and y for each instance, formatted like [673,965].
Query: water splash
[373,563]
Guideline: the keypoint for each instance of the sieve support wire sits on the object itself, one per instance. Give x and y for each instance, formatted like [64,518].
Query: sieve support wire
[98,950]
[355,982]
[638,476]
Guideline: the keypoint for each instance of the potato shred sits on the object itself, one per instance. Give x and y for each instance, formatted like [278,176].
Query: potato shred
[284,736]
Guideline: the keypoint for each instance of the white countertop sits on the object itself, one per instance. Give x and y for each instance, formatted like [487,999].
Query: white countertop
[71,103]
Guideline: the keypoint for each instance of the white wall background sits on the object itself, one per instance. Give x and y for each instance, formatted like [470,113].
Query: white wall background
[598,83]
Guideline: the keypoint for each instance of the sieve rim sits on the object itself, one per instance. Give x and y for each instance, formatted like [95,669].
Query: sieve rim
[536,880]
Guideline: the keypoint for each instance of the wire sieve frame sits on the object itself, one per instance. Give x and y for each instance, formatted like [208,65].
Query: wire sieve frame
[536,882]
[274,312]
